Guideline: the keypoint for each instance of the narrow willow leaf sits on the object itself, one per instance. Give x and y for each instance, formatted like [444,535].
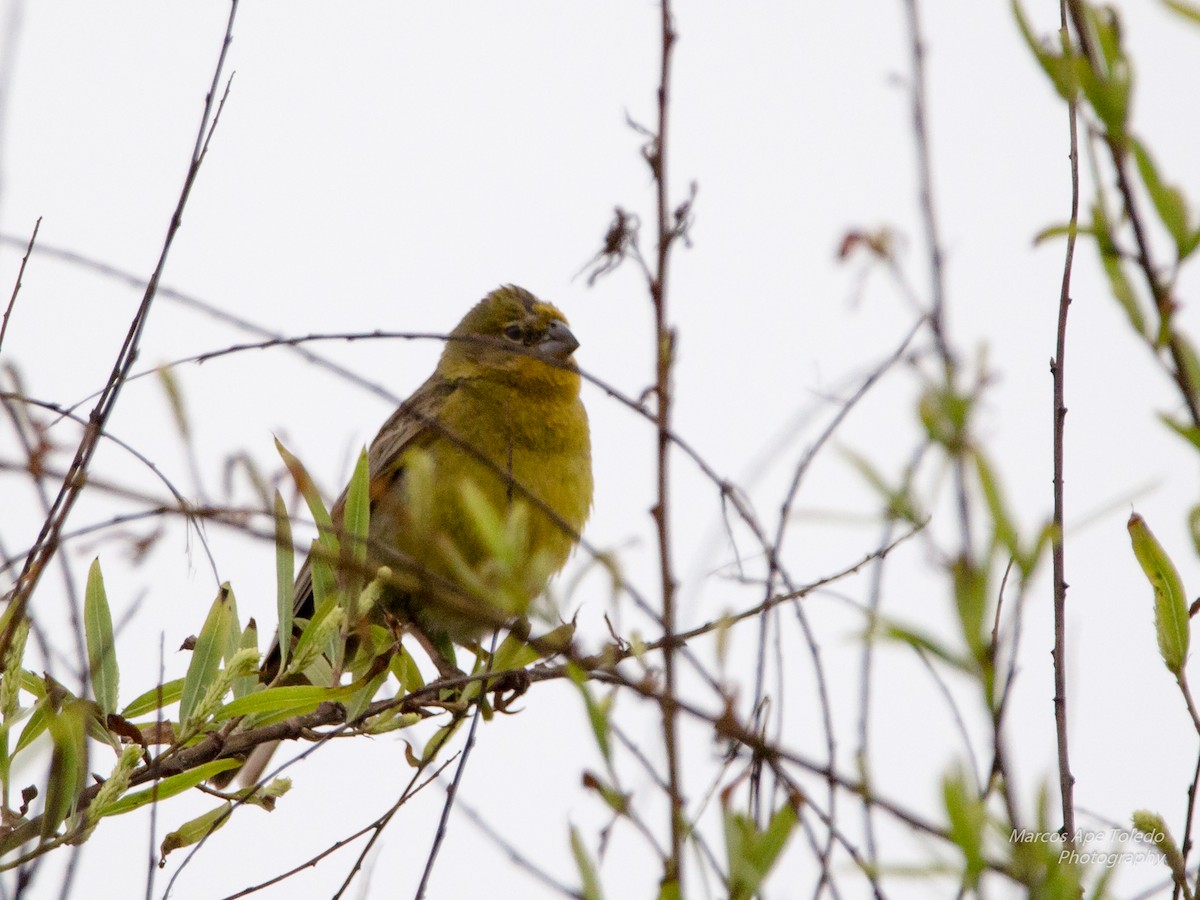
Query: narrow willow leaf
[1002,524]
[327,536]
[438,740]
[1061,70]
[739,832]
[291,700]
[967,823]
[775,837]
[1054,231]
[1187,10]
[102,656]
[405,668]
[971,597]
[753,853]
[207,654]
[357,702]
[68,763]
[35,727]
[598,711]
[893,631]
[616,801]
[590,881]
[1188,432]
[169,787]
[233,630]
[170,385]
[195,830]
[285,577]
[1170,601]
[484,518]
[247,684]
[357,515]
[1110,260]
[155,698]
[1108,87]
[1168,200]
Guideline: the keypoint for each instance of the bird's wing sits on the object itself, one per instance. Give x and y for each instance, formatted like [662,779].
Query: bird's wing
[413,423]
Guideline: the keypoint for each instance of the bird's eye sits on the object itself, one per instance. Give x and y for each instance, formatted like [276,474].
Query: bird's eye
[514,333]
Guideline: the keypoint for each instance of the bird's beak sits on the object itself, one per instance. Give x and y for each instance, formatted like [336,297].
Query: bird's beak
[558,343]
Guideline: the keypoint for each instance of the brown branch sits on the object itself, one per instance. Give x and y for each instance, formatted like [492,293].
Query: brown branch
[668,230]
[12,301]
[46,545]
[1066,781]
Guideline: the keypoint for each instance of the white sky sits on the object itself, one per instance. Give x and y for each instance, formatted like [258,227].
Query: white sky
[382,166]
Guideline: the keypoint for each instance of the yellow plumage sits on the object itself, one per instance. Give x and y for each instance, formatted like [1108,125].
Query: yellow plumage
[502,413]
[500,418]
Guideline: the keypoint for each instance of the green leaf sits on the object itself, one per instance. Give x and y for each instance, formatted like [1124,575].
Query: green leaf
[404,667]
[102,656]
[68,763]
[357,515]
[1194,527]
[36,725]
[155,698]
[897,501]
[195,830]
[1189,364]
[615,800]
[279,703]
[247,684]
[1066,230]
[1168,200]
[1187,10]
[327,536]
[360,699]
[439,738]
[893,631]
[208,653]
[968,819]
[971,601]
[587,869]
[318,633]
[169,787]
[1110,259]
[1109,84]
[1185,430]
[170,386]
[598,711]
[285,577]
[753,853]
[1170,601]
[1002,525]
[1062,70]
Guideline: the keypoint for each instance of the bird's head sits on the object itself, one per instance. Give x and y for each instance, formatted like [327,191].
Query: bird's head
[512,334]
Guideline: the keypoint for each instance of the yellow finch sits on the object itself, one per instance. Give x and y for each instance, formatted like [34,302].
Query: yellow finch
[500,418]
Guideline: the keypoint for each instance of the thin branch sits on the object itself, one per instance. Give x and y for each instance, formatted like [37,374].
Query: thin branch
[1066,781]
[664,338]
[439,837]
[933,242]
[12,301]
[47,542]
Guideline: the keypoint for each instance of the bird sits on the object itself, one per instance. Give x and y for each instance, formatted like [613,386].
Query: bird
[500,418]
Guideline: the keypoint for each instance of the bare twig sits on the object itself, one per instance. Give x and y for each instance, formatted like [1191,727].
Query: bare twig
[12,301]
[1066,781]
[668,229]
[47,542]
